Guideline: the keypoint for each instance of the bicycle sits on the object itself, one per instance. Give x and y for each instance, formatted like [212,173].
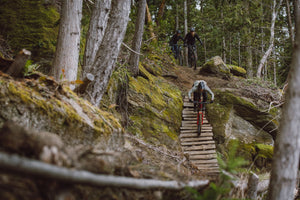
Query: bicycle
[180,55]
[193,56]
[200,115]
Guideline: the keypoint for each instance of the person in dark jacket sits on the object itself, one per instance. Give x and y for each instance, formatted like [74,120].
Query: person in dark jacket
[190,40]
[173,43]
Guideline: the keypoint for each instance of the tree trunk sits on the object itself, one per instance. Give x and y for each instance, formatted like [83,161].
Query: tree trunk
[137,39]
[286,151]
[177,17]
[160,12]
[65,62]
[271,45]
[150,25]
[288,11]
[108,51]
[98,23]
[185,30]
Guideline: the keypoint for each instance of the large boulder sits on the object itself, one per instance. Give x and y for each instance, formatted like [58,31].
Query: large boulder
[233,117]
[216,67]
[45,105]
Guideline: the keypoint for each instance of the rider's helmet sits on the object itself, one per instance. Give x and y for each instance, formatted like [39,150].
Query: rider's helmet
[192,29]
[178,32]
[201,86]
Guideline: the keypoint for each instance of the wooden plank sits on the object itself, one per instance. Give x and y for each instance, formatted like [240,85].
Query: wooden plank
[202,147]
[201,157]
[195,134]
[204,127]
[197,143]
[195,126]
[205,162]
[189,122]
[196,139]
[199,152]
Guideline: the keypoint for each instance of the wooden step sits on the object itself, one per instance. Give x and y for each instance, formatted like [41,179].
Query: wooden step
[196,139]
[205,162]
[193,122]
[197,143]
[191,127]
[203,157]
[191,152]
[202,147]
[194,135]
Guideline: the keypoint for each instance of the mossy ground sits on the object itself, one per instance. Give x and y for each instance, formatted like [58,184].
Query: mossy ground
[30,24]
[56,108]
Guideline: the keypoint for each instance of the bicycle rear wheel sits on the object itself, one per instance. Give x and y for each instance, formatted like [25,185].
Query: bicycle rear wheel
[180,59]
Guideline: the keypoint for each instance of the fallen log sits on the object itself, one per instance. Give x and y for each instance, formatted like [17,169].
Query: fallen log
[27,167]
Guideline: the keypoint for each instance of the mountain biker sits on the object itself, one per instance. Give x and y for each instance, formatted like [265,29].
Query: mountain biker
[190,40]
[200,88]
[173,43]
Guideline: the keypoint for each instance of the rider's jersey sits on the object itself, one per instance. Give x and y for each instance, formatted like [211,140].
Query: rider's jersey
[189,39]
[175,39]
[195,87]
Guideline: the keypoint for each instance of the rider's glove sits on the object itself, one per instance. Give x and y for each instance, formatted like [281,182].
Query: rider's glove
[211,101]
[190,100]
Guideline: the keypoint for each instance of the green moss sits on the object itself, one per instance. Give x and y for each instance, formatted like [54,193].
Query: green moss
[236,70]
[264,151]
[29,24]
[60,112]
[155,104]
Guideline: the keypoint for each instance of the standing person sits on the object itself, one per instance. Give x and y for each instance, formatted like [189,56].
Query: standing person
[173,43]
[200,88]
[189,41]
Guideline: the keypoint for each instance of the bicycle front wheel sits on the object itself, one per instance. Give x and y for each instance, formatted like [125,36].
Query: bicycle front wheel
[199,125]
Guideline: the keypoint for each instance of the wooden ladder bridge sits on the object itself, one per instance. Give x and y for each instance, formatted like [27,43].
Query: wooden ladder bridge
[201,150]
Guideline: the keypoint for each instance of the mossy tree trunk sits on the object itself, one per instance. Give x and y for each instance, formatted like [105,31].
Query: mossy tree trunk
[65,64]
[137,39]
[95,33]
[108,50]
[286,151]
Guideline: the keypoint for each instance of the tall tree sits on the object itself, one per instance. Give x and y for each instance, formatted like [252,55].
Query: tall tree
[108,50]
[137,39]
[149,24]
[286,151]
[66,58]
[97,26]
[160,12]
[271,45]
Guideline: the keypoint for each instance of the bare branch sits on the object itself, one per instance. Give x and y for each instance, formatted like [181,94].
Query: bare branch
[23,166]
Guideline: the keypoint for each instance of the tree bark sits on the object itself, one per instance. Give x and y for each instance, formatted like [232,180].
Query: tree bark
[98,23]
[160,12]
[271,45]
[23,166]
[65,64]
[108,51]
[288,11]
[150,25]
[185,30]
[137,39]
[287,145]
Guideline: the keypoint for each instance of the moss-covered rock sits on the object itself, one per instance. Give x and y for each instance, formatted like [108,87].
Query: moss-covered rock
[216,67]
[258,155]
[235,117]
[44,105]
[237,71]
[155,108]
